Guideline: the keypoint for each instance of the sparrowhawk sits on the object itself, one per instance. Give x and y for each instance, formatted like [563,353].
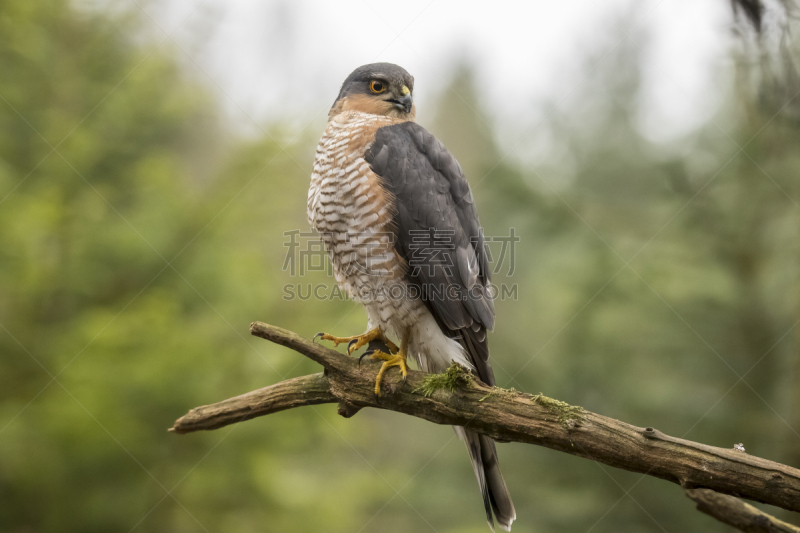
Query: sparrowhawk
[399,223]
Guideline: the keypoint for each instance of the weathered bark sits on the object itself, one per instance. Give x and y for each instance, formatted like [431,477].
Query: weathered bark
[459,399]
[305,390]
[736,513]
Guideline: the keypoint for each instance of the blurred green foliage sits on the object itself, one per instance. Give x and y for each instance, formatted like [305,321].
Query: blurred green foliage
[139,238]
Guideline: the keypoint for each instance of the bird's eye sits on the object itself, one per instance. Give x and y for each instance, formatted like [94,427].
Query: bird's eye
[377,86]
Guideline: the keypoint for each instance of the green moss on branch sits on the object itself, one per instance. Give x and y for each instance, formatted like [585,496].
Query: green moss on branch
[568,415]
[505,394]
[452,379]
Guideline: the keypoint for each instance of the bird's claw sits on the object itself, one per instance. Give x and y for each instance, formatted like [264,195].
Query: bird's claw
[389,360]
[350,346]
[318,335]
[328,337]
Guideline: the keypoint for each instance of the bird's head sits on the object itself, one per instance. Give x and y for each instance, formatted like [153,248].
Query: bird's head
[379,89]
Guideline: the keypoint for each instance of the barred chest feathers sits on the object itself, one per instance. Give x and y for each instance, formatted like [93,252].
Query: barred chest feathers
[352,213]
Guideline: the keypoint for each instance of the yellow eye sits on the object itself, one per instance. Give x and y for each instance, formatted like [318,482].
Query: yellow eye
[377,86]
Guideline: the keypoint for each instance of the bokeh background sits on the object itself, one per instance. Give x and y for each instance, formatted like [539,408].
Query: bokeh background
[153,156]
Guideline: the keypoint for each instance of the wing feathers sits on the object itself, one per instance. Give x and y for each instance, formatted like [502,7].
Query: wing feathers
[432,195]
[439,236]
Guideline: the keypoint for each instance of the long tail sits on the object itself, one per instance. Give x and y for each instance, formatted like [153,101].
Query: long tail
[496,498]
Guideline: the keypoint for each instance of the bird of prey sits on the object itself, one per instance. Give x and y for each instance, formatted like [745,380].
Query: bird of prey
[399,223]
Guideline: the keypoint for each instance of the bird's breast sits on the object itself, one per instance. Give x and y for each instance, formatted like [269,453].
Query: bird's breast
[349,207]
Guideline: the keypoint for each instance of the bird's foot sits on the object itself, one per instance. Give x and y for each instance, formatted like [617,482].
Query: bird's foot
[357,341]
[389,360]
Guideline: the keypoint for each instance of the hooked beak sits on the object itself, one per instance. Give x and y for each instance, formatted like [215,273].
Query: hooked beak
[404,103]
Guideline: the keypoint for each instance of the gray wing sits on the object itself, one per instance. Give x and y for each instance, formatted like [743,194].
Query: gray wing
[438,234]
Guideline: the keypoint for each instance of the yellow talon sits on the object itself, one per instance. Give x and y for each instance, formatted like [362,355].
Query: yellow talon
[389,361]
[336,340]
[361,340]
[396,358]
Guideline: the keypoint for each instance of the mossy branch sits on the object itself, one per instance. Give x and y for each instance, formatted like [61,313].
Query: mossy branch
[458,398]
[450,380]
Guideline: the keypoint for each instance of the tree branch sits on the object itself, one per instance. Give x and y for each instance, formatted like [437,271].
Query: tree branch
[459,399]
[736,513]
[305,390]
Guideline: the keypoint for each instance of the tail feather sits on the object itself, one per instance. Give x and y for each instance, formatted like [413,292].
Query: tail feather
[496,498]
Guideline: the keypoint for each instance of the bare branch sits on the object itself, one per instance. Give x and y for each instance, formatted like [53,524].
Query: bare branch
[736,513]
[305,390]
[459,399]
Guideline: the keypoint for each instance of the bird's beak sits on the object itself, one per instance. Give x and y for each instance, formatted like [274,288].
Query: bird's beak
[404,103]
